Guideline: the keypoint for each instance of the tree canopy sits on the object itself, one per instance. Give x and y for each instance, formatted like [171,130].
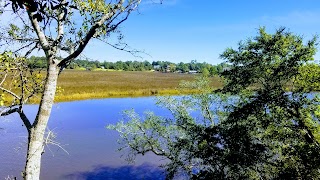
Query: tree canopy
[35,62]
[264,123]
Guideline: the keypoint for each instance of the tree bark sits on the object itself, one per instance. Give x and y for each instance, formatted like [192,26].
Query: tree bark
[37,132]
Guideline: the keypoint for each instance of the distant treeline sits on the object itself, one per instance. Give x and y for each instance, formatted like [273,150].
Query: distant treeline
[162,66]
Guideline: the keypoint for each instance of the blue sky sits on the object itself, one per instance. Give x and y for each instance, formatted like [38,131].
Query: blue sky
[184,30]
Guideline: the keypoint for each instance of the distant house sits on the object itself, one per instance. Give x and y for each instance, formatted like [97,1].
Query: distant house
[167,69]
[170,68]
[193,72]
[156,67]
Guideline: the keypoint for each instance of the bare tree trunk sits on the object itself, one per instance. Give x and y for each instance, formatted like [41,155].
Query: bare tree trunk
[36,135]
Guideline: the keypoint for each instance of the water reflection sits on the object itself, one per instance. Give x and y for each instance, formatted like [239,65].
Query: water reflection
[145,171]
[80,128]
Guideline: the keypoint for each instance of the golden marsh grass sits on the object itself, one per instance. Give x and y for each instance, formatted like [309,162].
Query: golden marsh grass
[78,85]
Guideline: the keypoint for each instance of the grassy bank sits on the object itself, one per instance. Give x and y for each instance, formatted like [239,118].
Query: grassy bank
[78,85]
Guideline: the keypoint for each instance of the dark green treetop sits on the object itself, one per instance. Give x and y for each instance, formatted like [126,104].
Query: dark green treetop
[267,129]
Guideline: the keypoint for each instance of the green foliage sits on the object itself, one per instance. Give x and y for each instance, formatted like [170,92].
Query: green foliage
[91,10]
[18,82]
[204,68]
[279,126]
[179,138]
[308,79]
[267,60]
[37,62]
[261,131]
[205,72]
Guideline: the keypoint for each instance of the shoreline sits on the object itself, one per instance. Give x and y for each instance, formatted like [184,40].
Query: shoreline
[116,94]
[106,95]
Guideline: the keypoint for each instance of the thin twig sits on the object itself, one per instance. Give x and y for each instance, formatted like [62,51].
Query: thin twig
[9,92]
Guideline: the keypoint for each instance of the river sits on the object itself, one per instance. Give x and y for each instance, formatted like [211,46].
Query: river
[80,128]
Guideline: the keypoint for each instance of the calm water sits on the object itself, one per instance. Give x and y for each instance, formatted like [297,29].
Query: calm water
[80,128]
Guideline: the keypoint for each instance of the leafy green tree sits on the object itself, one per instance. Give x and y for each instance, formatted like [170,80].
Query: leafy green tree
[37,62]
[193,65]
[52,27]
[118,65]
[147,65]
[107,65]
[172,67]
[213,71]
[205,72]
[267,129]
[277,121]
[308,79]
[178,139]
[183,67]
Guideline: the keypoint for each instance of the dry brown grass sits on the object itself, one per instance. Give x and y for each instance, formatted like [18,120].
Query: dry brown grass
[79,85]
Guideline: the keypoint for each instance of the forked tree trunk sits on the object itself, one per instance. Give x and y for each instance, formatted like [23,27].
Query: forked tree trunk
[37,132]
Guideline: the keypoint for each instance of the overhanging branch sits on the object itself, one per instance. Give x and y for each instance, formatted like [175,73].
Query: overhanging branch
[84,41]
[32,49]
[9,92]
[24,119]
[9,111]
[26,46]
[61,18]
[42,38]
[109,16]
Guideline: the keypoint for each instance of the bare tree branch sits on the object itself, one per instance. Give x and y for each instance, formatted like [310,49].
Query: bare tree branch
[61,19]
[4,79]
[9,92]
[84,41]
[42,38]
[24,39]
[50,139]
[24,119]
[91,33]
[125,48]
[26,46]
[9,111]
[32,49]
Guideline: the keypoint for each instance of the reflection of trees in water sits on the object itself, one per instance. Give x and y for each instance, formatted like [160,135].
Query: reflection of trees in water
[145,171]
